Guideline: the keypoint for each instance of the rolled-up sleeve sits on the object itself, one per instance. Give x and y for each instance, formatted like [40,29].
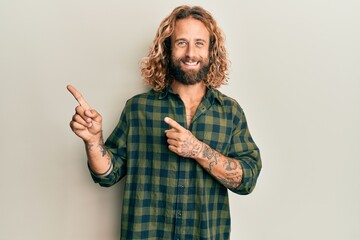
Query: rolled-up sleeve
[244,149]
[116,147]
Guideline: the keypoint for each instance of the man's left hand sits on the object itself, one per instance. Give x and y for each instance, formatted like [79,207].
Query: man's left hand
[181,141]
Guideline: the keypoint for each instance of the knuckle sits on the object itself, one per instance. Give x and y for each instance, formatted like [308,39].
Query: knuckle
[77,118]
[78,108]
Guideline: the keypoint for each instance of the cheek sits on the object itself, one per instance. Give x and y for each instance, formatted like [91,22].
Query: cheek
[205,54]
[175,56]
[205,58]
[177,52]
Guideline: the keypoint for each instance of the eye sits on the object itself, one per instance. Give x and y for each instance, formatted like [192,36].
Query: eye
[199,43]
[181,43]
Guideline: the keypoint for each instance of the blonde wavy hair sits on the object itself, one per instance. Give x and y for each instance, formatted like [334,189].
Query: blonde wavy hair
[154,67]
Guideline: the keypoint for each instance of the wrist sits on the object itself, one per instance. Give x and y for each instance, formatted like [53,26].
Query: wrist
[198,150]
[96,140]
[103,174]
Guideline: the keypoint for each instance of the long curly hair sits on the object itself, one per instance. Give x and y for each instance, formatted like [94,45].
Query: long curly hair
[154,67]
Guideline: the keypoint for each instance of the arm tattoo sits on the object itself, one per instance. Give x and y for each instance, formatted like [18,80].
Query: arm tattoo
[211,156]
[230,181]
[230,164]
[101,146]
[102,149]
[89,147]
[232,176]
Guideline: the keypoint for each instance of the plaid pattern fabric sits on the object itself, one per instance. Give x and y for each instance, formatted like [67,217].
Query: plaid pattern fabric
[167,196]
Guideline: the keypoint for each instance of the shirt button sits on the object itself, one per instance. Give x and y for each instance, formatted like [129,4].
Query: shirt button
[178,213]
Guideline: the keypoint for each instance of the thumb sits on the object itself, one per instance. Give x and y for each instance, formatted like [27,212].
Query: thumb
[93,114]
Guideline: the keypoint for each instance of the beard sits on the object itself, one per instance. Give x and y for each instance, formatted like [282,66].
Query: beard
[188,77]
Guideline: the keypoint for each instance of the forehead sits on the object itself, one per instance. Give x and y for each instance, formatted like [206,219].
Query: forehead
[190,28]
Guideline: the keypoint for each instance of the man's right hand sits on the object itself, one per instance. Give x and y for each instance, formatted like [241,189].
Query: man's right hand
[86,122]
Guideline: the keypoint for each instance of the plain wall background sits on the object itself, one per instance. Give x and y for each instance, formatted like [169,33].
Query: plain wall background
[294,70]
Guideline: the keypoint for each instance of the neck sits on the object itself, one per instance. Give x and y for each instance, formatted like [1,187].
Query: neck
[189,93]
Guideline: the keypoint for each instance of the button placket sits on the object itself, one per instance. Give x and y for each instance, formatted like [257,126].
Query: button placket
[178,213]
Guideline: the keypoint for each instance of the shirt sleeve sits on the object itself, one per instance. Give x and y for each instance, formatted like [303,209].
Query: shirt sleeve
[244,149]
[116,147]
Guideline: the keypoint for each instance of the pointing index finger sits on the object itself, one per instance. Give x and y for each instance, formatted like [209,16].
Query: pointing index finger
[79,98]
[173,124]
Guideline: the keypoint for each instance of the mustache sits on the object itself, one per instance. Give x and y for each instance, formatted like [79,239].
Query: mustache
[190,59]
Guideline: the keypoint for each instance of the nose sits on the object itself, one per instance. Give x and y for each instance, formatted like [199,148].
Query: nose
[190,51]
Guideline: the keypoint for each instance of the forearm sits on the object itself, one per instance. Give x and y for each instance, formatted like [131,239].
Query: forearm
[98,157]
[226,170]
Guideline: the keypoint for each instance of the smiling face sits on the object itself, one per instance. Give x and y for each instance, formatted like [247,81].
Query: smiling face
[189,51]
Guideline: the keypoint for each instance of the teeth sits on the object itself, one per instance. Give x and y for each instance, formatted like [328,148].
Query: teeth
[191,63]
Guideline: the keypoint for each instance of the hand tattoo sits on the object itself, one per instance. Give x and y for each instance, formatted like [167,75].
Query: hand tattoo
[191,147]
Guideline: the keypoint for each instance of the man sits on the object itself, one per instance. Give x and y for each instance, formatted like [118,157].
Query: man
[182,144]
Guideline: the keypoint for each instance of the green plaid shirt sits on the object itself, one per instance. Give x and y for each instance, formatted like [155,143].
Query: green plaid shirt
[167,196]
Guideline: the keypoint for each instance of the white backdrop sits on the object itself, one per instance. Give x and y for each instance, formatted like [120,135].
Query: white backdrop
[295,71]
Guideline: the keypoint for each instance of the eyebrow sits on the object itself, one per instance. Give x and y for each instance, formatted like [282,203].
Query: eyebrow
[184,39]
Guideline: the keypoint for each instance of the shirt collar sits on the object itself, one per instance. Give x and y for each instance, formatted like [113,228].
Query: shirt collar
[211,94]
